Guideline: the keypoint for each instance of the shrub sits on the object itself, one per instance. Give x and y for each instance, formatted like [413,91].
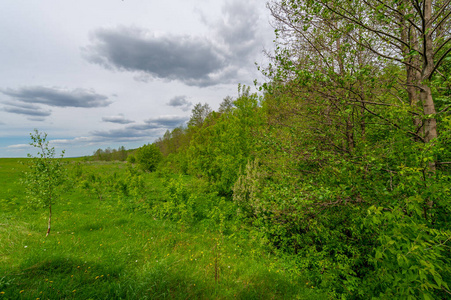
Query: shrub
[131,159]
[148,157]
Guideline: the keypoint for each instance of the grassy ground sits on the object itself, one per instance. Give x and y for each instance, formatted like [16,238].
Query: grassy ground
[98,250]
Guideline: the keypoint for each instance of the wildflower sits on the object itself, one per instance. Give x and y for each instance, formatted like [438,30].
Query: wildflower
[1,293]
[25,246]
[97,277]
[74,291]
[21,291]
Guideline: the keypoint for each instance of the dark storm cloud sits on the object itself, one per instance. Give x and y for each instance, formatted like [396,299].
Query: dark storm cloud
[120,119]
[192,60]
[58,97]
[181,102]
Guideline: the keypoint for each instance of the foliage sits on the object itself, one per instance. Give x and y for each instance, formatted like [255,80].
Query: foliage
[109,154]
[225,142]
[148,157]
[131,159]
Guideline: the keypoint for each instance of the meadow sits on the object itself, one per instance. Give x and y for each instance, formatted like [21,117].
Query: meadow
[120,233]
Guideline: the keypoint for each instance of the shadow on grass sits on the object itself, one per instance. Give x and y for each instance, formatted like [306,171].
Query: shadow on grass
[60,266]
[167,280]
[69,278]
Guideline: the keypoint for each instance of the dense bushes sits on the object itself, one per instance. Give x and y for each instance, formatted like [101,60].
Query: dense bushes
[361,216]
[148,157]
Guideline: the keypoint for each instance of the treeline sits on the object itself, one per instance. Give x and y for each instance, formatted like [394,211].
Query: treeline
[342,161]
[119,154]
[147,157]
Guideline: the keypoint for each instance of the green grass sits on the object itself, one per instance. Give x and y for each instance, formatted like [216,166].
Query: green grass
[98,250]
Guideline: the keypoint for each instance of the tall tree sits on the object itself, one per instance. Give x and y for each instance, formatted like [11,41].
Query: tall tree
[413,33]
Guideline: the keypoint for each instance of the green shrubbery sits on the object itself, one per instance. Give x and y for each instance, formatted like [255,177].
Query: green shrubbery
[148,157]
[361,217]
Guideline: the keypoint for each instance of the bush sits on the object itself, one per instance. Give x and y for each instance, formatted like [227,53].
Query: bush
[131,159]
[148,157]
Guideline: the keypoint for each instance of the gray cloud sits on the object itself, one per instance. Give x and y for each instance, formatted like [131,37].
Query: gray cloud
[36,119]
[237,34]
[192,60]
[238,30]
[226,56]
[150,128]
[180,101]
[128,133]
[119,119]
[29,110]
[58,97]
[167,121]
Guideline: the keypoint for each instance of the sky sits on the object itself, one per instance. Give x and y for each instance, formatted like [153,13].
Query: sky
[108,73]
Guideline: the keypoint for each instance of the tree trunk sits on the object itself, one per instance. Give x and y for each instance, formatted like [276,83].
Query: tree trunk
[430,124]
[50,220]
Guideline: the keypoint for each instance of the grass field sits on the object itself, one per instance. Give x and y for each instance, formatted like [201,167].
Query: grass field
[99,250]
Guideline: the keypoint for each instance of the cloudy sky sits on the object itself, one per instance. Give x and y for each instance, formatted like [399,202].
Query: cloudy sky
[108,73]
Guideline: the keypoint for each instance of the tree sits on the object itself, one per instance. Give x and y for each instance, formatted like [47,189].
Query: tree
[199,114]
[415,34]
[148,157]
[45,175]
[225,142]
